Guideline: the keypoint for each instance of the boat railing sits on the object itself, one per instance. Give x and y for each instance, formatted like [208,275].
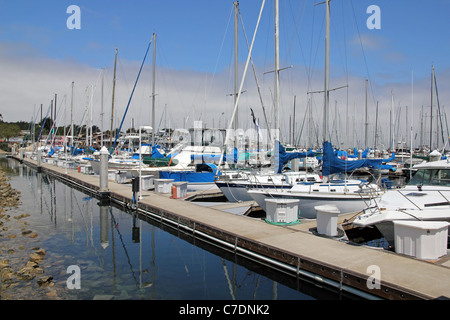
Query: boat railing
[372,193]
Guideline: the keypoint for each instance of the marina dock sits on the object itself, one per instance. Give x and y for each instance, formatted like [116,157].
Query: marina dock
[293,249]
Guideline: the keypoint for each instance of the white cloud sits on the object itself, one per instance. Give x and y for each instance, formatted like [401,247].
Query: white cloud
[370,41]
[28,80]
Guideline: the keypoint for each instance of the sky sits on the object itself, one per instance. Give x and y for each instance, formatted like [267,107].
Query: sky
[40,57]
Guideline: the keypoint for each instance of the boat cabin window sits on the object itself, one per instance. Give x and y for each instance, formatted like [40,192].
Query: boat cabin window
[431,177]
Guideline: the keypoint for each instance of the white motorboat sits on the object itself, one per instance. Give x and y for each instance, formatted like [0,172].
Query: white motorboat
[234,187]
[424,198]
[348,195]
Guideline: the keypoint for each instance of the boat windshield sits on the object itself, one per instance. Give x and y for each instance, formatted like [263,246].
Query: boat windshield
[431,177]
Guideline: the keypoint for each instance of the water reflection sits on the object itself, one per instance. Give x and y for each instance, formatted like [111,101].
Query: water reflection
[123,255]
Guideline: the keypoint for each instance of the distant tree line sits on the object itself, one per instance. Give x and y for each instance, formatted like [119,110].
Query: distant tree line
[10,130]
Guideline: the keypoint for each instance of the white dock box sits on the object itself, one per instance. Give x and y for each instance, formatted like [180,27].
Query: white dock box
[120,177]
[421,239]
[163,185]
[179,189]
[147,182]
[281,210]
[69,164]
[112,175]
[327,218]
[86,169]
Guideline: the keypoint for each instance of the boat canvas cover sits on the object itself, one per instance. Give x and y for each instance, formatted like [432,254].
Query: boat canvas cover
[192,176]
[282,157]
[332,164]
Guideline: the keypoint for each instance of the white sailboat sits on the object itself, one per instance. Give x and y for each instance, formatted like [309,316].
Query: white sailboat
[235,186]
[347,195]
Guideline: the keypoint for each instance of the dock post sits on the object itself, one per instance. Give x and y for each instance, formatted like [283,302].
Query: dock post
[327,218]
[104,155]
[39,160]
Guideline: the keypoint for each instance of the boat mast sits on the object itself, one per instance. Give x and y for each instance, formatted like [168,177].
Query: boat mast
[112,106]
[236,25]
[431,115]
[102,113]
[391,131]
[153,90]
[327,71]
[366,124]
[376,128]
[91,105]
[277,70]
[71,115]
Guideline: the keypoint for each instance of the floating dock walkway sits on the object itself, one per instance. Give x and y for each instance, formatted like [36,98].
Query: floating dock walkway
[368,272]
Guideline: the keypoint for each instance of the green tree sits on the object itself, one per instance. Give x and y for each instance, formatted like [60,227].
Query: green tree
[9,130]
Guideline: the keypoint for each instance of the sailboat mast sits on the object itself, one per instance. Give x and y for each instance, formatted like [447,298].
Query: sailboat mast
[236,26]
[71,115]
[327,71]
[431,115]
[391,124]
[376,128]
[366,124]
[102,113]
[112,106]
[153,90]
[91,106]
[277,70]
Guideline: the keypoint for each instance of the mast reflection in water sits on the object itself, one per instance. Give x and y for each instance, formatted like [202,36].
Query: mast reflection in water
[122,255]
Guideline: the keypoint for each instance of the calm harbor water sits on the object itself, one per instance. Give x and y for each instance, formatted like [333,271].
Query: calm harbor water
[122,255]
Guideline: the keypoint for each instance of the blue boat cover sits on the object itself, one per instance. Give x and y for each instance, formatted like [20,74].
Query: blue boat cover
[282,157]
[76,151]
[155,152]
[332,164]
[205,173]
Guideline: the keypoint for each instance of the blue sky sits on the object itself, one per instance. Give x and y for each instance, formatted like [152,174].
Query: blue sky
[196,38]
[413,33]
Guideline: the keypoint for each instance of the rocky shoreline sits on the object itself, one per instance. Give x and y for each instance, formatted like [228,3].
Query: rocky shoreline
[22,277]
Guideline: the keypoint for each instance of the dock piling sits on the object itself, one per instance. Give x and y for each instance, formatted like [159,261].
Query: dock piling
[104,154]
[39,160]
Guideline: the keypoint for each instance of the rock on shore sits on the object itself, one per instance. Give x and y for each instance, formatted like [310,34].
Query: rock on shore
[8,196]
[21,273]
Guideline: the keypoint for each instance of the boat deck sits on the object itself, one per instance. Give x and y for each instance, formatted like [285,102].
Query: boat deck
[294,249]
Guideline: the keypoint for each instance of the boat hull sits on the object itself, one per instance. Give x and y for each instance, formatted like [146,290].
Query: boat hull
[235,192]
[384,220]
[346,203]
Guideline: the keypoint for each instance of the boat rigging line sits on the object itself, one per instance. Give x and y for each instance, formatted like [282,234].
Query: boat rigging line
[131,96]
